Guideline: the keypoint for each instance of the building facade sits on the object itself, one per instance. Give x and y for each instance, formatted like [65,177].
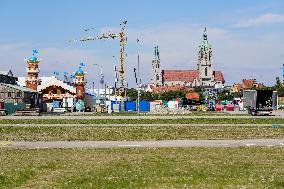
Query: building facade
[14,97]
[204,76]
[8,77]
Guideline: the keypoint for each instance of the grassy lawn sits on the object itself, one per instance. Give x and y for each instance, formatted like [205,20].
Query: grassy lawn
[143,168]
[137,133]
[147,121]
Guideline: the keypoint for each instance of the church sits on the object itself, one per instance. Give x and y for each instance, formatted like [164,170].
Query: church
[204,76]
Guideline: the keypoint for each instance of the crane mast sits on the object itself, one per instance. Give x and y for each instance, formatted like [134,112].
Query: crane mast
[122,40]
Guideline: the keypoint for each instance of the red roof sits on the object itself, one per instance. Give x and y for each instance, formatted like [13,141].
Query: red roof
[180,75]
[219,76]
[168,88]
[188,75]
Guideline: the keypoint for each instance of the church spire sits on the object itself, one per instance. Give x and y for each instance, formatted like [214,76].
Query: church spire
[205,34]
[158,53]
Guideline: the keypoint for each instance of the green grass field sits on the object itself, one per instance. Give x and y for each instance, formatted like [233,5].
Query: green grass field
[143,168]
[137,133]
[147,121]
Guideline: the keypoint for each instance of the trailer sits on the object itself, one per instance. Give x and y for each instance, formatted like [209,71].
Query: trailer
[260,102]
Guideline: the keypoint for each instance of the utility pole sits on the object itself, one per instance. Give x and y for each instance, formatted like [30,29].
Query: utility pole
[138,90]
[105,94]
[283,72]
[115,82]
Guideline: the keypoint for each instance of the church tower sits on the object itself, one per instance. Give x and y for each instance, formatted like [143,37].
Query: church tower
[206,76]
[157,79]
[33,80]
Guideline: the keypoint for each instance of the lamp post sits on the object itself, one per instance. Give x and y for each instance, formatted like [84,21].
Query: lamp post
[138,90]
[101,78]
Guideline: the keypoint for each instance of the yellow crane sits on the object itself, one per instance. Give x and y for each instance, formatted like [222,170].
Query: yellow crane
[121,35]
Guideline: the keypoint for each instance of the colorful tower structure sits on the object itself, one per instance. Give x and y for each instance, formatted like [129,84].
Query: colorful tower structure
[33,70]
[80,83]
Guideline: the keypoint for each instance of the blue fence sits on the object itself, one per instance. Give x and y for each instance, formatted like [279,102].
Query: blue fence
[130,106]
[145,106]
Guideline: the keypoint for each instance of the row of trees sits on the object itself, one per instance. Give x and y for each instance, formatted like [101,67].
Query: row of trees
[223,95]
[166,96]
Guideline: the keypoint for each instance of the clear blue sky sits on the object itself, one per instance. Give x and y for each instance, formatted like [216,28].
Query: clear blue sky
[257,25]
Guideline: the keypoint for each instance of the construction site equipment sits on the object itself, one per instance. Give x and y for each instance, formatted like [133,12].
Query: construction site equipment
[122,39]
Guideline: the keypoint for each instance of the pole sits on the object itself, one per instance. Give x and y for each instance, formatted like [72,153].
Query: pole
[94,87]
[138,79]
[125,95]
[105,94]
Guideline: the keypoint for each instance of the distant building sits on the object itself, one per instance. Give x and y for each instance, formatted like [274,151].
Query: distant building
[204,76]
[14,97]
[8,77]
[246,84]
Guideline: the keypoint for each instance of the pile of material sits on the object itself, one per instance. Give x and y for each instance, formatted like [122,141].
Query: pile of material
[28,112]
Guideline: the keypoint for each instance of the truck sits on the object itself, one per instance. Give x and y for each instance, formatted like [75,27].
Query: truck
[260,102]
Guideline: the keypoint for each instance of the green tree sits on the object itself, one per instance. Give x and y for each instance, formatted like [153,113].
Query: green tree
[132,93]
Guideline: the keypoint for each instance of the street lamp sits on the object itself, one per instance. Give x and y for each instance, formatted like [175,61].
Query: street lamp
[101,77]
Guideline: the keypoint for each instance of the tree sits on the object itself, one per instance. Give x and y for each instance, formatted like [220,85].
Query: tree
[225,95]
[132,93]
[279,87]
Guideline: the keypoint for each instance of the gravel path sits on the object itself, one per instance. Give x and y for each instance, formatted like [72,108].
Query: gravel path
[144,144]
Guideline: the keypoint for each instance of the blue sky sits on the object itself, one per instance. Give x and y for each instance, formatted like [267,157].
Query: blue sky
[247,36]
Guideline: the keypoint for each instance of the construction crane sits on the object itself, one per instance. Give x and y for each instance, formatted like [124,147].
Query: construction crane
[121,35]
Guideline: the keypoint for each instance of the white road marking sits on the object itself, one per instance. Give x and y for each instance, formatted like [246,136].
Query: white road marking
[250,145]
[129,145]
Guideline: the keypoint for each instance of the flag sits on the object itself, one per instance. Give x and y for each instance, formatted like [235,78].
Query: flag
[35,51]
[65,73]
[82,64]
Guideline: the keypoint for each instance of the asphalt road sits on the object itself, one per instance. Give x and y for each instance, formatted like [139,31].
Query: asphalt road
[144,144]
[137,117]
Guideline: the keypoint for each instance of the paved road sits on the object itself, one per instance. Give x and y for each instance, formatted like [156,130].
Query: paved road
[136,117]
[141,125]
[145,144]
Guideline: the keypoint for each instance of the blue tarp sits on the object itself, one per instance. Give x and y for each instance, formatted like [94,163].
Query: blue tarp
[12,108]
[56,104]
[145,106]
[130,106]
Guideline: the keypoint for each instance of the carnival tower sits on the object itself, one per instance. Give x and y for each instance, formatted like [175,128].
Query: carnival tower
[33,70]
[80,83]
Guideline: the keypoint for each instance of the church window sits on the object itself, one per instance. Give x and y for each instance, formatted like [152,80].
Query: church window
[206,72]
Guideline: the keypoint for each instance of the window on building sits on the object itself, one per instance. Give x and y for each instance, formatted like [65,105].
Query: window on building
[19,94]
[206,71]
[157,78]
[9,94]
